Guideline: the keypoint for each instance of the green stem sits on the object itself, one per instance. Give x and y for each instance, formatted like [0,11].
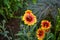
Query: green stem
[12,34]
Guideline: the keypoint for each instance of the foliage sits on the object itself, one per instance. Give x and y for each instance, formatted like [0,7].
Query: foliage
[42,10]
[8,7]
[58,25]
[3,30]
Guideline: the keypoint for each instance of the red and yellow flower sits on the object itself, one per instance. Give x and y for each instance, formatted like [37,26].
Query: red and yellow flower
[40,34]
[45,24]
[29,18]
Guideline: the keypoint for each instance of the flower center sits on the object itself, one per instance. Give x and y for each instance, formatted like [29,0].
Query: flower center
[40,33]
[29,18]
[46,24]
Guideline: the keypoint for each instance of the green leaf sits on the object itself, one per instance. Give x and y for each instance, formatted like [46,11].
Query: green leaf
[19,34]
[50,36]
[6,2]
[19,4]
[2,13]
[32,28]
[34,1]
[58,37]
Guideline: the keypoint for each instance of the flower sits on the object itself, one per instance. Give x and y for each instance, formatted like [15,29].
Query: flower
[29,18]
[40,34]
[45,24]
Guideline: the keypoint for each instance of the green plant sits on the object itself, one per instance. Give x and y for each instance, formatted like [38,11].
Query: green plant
[14,9]
[8,8]
[58,26]
[3,30]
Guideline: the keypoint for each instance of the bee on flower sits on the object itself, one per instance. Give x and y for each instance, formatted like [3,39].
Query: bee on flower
[29,18]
